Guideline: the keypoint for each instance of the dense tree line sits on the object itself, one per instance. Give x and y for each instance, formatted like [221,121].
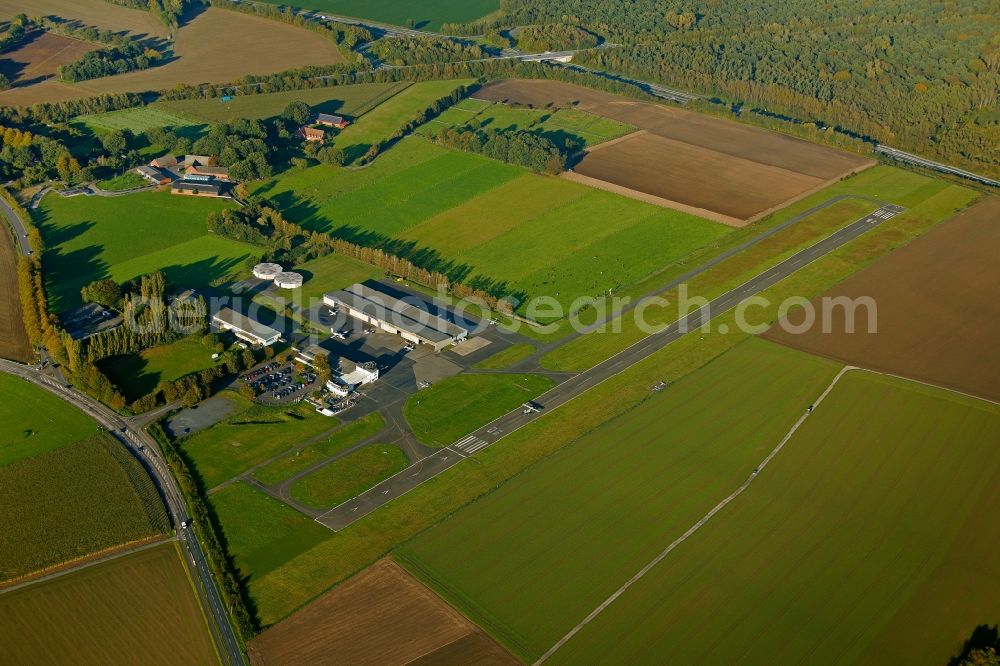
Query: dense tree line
[126,57]
[241,145]
[17,29]
[288,242]
[346,37]
[31,158]
[916,75]
[424,50]
[167,11]
[514,146]
[554,37]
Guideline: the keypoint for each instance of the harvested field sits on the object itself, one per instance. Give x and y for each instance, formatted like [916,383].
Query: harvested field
[697,161]
[40,56]
[14,342]
[99,13]
[214,46]
[381,616]
[137,609]
[938,301]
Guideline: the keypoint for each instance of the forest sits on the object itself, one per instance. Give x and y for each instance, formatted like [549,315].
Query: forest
[922,76]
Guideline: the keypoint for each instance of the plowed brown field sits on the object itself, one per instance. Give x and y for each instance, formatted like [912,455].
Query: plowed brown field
[40,56]
[938,303]
[733,170]
[214,46]
[382,616]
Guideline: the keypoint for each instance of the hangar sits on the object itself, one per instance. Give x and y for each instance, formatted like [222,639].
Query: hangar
[411,319]
[245,328]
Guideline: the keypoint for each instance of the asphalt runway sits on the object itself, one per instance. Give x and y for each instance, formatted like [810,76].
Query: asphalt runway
[343,515]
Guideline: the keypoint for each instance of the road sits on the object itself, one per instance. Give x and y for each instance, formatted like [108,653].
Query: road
[17,225]
[145,448]
[910,158]
[343,515]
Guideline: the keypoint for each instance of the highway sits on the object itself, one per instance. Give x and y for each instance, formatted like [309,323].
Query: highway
[910,158]
[343,515]
[17,226]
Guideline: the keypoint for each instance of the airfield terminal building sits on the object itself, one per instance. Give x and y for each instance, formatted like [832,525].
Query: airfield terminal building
[412,320]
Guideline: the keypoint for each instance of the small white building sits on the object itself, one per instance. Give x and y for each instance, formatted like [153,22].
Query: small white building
[288,280]
[267,271]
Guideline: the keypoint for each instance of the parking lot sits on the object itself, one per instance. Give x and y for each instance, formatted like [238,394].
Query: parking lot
[277,383]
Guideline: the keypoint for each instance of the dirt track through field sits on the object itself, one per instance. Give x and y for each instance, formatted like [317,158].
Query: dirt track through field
[382,616]
[688,160]
[41,56]
[938,302]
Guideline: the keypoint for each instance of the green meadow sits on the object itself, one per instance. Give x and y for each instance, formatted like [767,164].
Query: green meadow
[345,477]
[474,217]
[531,559]
[50,423]
[138,119]
[428,15]
[89,238]
[138,374]
[870,538]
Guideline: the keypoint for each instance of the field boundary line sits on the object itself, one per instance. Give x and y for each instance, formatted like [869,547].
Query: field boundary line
[698,525]
[89,563]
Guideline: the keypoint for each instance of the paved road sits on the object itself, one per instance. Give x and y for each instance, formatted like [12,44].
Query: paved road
[17,225]
[393,487]
[145,448]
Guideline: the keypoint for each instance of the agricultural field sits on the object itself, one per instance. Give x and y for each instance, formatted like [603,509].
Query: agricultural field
[345,477]
[381,616]
[456,406]
[558,125]
[88,238]
[251,437]
[427,15]
[140,608]
[528,561]
[687,160]
[870,538]
[929,202]
[261,532]
[138,374]
[135,120]
[40,56]
[99,13]
[49,425]
[347,100]
[14,343]
[388,117]
[942,331]
[301,460]
[73,501]
[214,46]
[536,235]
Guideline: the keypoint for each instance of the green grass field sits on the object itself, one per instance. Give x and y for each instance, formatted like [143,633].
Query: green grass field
[73,501]
[381,122]
[871,538]
[261,532]
[349,100]
[927,200]
[558,125]
[342,438]
[129,180]
[539,235]
[531,559]
[332,272]
[345,477]
[138,374]
[89,238]
[141,608]
[507,357]
[456,406]
[427,15]
[49,424]
[251,437]
[136,120]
